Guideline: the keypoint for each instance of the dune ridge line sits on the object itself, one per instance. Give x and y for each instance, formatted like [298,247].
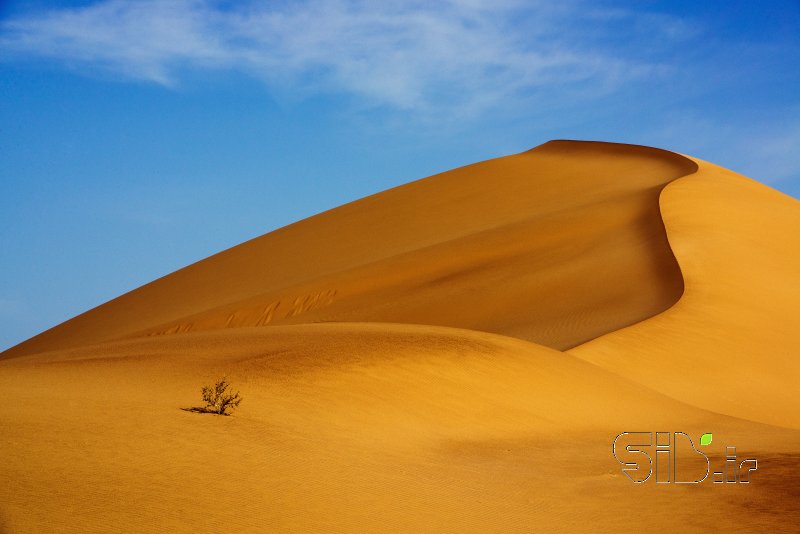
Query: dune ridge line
[541,245]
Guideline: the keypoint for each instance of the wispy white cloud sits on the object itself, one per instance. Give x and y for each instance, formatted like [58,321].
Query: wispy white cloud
[145,40]
[409,55]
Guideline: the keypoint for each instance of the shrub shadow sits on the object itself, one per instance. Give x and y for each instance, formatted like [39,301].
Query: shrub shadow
[198,409]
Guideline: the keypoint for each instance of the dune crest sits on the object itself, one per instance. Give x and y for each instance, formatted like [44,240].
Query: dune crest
[557,245]
[731,343]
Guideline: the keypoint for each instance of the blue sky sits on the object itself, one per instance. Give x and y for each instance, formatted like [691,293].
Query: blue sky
[138,137]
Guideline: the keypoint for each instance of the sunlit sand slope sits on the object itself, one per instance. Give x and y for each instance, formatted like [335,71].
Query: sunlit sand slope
[400,366]
[732,342]
[557,245]
[357,428]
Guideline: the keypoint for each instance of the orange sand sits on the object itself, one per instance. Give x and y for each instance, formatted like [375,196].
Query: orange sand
[402,363]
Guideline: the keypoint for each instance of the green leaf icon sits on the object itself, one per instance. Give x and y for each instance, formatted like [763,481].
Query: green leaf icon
[705,439]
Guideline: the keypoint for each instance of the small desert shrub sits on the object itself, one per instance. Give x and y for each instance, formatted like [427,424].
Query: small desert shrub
[217,398]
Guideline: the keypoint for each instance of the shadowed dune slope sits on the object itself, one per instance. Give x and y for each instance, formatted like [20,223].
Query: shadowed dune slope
[732,342]
[556,245]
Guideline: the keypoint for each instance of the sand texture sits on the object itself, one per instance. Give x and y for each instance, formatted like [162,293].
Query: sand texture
[453,355]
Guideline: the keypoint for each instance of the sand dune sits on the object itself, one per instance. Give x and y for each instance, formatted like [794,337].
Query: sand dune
[731,343]
[403,363]
[346,427]
[557,245]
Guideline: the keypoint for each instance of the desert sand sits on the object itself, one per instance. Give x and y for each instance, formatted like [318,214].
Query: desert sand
[453,355]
